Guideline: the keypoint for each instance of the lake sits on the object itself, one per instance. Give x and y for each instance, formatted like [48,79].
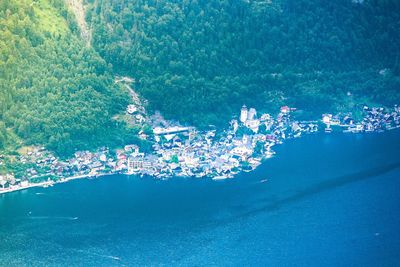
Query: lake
[329,199]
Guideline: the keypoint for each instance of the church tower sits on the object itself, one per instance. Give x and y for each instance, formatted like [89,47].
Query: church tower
[243,114]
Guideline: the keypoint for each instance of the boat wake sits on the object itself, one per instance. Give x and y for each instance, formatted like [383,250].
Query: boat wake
[99,255]
[52,218]
[114,258]
[318,188]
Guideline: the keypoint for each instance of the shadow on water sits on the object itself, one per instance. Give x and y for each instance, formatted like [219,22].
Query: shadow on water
[314,190]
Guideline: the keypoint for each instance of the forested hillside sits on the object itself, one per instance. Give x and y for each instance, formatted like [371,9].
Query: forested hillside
[54,90]
[200,60]
[196,60]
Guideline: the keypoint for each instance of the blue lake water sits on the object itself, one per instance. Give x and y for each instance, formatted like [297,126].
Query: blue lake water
[330,200]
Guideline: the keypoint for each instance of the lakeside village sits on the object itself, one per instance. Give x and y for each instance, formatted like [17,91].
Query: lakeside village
[184,151]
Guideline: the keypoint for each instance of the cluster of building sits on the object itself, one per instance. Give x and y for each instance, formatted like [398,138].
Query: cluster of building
[185,151]
[373,120]
[38,165]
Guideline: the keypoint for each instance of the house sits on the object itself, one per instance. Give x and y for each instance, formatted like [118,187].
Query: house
[285,110]
[131,148]
[121,165]
[326,118]
[131,109]
[251,115]
[242,151]
[348,120]
[135,164]
[143,136]
[139,118]
[97,166]
[265,117]
[295,127]
[103,158]
[3,181]
[234,125]
[140,163]
[253,125]
[177,142]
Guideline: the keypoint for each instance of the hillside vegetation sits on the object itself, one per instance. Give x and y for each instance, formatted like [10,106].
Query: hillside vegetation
[54,90]
[195,60]
[200,60]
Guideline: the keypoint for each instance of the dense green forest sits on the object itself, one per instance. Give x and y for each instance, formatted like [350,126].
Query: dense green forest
[200,60]
[195,60]
[54,90]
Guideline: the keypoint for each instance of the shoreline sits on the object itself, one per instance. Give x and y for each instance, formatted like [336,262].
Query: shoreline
[90,176]
[221,157]
[52,183]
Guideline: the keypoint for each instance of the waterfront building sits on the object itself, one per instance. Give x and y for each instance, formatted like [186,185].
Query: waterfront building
[135,164]
[326,118]
[3,181]
[285,110]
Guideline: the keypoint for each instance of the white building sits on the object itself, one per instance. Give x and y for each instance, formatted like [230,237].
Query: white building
[139,163]
[134,164]
[253,125]
[265,117]
[131,109]
[242,151]
[243,114]
[132,148]
[103,158]
[235,125]
[251,115]
[326,118]
[285,110]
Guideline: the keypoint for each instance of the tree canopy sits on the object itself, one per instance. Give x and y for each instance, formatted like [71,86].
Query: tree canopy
[53,89]
[200,60]
[197,61]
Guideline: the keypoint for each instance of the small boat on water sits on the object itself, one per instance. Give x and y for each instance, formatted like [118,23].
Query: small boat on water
[263,180]
[220,177]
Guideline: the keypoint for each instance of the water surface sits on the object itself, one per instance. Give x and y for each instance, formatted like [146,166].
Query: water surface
[330,200]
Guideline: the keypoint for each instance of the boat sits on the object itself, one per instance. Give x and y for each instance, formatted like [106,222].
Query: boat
[263,180]
[220,177]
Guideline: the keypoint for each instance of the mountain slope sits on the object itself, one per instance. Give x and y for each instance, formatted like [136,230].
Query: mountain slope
[54,90]
[199,60]
[78,9]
